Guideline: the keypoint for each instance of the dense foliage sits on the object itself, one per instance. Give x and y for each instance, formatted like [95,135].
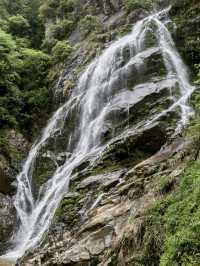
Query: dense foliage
[33,38]
[23,68]
[133,4]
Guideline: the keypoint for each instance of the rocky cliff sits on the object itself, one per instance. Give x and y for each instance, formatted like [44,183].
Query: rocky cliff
[137,204]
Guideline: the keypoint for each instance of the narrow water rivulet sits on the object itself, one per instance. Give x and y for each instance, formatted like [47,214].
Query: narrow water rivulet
[112,82]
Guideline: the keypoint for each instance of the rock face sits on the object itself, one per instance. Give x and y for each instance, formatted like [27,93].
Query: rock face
[117,216]
[10,165]
[5,183]
[101,220]
[7,220]
[10,160]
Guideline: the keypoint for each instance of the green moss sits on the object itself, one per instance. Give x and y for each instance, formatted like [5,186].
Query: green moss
[7,149]
[166,184]
[42,178]
[193,130]
[103,169]
[124,30]
[68,211]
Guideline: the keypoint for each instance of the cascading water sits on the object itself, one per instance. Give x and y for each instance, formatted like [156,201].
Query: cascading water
[102,90]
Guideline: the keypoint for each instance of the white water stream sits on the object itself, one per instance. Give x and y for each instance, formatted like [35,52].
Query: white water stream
[96,95]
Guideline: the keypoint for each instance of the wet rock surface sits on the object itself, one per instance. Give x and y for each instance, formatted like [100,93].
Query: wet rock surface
[119,213]
[11,161]
[10,165]
[7,220]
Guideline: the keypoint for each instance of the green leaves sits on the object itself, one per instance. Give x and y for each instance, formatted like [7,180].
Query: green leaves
[34,62]
[61,30]
[7,44]
[177,217]
[61,51]
[23,85]
[90,23]
[18,25]
[51,9]
[23,69]
[133,4]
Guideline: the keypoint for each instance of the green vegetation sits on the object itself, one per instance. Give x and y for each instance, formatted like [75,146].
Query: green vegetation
[61,30]
[197,67]
[90,24]
[26,68]
[61,51]
[133,4]
[23,67]
[68,211]
[186,16]
[50,9]
[18,25]
[22,76]
[177,217]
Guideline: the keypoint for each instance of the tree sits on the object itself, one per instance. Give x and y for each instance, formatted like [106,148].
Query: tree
[10,95]
[61,51]
[34,68]
[90,23]
[18,25]
[61,30]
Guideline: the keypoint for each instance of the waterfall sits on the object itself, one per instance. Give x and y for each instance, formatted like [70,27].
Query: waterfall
[102,90]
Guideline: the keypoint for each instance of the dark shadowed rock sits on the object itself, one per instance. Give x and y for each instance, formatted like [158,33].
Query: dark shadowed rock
[7,220]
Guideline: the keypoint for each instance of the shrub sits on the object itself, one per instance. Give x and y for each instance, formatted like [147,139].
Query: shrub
[67,6]
[6,118]
[61,51]
[178,223]
[18,25]
[4,25]
[34,67]
[22,81]
[47,12]
[90,24]
[23,42]
[10,99]
[48,44]
[197,67]
[7,43]
[61,30]
[133,4]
